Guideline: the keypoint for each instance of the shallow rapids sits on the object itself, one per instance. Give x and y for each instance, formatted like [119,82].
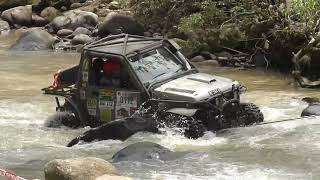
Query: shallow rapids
[288,150]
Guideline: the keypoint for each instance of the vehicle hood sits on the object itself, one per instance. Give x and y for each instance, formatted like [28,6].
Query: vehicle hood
[194,87]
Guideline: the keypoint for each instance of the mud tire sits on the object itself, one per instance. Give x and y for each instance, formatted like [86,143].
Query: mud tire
[252,113]
[64,118]
[190,127]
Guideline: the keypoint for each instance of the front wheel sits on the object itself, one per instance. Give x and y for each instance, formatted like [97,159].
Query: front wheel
[190,127]
[63,118]
[252,113]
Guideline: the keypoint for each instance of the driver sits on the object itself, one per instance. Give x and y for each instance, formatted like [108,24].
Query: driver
[111,73]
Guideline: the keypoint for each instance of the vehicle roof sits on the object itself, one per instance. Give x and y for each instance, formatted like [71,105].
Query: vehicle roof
[123,44]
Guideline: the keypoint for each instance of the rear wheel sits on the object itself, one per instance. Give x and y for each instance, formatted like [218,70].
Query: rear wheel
[64,118]
[252,113]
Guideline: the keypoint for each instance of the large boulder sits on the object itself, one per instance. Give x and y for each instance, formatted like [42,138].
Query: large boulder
[34,39]
[116,23]
[21,15]
[4,25]
[74,19]
[118,129]
[146,151]
[49,13]
[78,169]
[313,109]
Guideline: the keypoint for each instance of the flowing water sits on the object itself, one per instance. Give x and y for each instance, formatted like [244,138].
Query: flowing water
[287,150]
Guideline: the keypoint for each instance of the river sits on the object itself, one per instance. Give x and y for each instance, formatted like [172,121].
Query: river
[287,150]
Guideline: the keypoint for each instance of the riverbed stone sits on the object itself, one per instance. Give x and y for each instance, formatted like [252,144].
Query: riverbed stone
[34,39]
[116,23]
[38,20]
[110,177]
[88,168]
[74,19]
[21,15]
[76,5]
[49,13]
[197,59]
[313,108]
[4,25]
[114,5]
[81,39]
[142,151]
[82,30]
[64,32]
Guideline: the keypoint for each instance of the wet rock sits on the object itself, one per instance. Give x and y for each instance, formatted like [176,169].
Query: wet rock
[49,13]
[64,32]
[208,55]
[146,151]
[197,59]
[118,129]
[114,5]
[21,15]
[4,25]
[82,30]
[34,39]
[74,19]
[81,39]
[211,63]
[116,23]
[78,169]
[62,119]
[109,177]
[313,109]
[38,20]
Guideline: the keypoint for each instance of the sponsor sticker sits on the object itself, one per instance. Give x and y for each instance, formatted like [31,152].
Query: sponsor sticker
[92,106]
[127,103]
[106,99]
[127,99]
[106,115]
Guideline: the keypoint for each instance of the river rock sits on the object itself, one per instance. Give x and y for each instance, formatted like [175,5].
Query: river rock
[118,130]
[82,30]
[114,5]
[87,168]
[34,39]
[76,5]
[21,15]
[313,109]
[49,13]
[64,32]
[81,39]
[116,23]
[4,25]
[197,59]
[110,177]
[38,20]
[146,151]
[74,19]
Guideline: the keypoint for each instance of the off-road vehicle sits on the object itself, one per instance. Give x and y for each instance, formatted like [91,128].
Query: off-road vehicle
[153,75]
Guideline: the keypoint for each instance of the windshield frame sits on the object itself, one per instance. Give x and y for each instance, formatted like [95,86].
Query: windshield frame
[177,59]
